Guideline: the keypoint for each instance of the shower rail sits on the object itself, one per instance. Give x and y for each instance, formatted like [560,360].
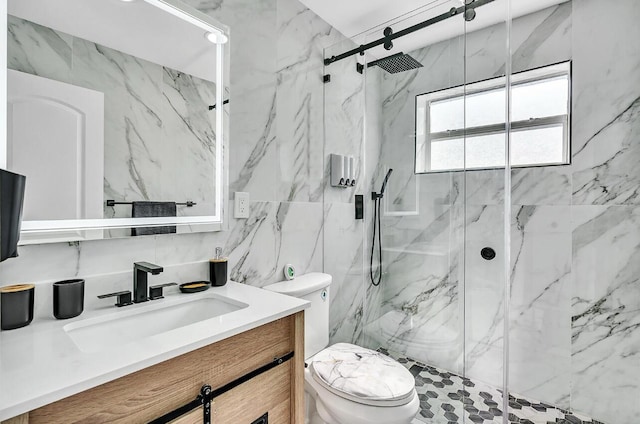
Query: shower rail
[389,36]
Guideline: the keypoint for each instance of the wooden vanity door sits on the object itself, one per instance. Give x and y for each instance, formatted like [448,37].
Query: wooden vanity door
[267,393]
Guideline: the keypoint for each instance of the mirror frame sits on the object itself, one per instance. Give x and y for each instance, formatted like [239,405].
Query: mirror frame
[187,14]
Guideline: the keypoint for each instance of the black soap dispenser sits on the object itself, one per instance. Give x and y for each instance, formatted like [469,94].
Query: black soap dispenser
[218,269]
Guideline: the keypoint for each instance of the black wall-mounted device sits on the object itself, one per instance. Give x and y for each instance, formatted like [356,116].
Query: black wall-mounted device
[11,199]
[488,253]
[359,203]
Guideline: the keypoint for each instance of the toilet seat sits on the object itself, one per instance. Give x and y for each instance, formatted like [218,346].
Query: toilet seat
[362,376]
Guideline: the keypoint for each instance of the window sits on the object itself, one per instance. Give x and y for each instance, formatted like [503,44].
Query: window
[464,127]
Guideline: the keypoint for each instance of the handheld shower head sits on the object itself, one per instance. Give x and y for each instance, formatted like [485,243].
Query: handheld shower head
[376,280]
[376,196]
[384,183]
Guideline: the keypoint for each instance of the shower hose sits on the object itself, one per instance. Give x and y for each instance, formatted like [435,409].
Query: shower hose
[376,222]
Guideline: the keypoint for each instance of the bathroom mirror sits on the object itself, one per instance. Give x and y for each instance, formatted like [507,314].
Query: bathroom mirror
[112,115]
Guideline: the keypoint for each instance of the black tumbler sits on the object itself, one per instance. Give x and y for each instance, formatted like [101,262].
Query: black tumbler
[16,303]
[68,298]
[218,272]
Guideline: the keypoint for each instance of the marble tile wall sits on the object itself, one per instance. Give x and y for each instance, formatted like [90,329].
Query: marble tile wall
[605,238]
[276,153]
[573,329]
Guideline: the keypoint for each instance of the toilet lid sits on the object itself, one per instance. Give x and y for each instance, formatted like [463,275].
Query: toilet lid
[362,375]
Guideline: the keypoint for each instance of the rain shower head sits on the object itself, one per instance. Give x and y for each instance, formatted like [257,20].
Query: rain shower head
[395,63]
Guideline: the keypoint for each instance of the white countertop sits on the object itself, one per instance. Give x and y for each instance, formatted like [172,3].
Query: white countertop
[40,363]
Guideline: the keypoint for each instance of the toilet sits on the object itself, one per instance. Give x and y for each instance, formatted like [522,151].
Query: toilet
[346,383]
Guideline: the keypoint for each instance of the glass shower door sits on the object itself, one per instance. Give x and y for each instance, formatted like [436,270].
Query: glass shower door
[439,307]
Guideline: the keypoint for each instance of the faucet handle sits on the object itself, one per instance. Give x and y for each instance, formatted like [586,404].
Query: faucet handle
[124,297]
[155,292]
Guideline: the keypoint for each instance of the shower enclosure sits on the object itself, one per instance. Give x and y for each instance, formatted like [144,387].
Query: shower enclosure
[510,225]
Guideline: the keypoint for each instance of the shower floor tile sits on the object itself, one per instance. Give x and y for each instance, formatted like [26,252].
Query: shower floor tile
[447,398]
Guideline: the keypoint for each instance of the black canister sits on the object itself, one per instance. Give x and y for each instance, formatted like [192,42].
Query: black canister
[68,298]
[218,271]
[16,304]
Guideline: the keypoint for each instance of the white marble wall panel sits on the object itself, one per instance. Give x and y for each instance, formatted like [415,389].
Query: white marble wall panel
[540,307]
[253,28]
[606,122]
[53,50]
[343,259]
[299,134]
[344,103]
[541,38]
[550,185]
[302,38]
[133,119]
[189,130]
[606,103]
[606,322]
[483,283]
[274,235]
[301,41]
[419,291]
[253,149]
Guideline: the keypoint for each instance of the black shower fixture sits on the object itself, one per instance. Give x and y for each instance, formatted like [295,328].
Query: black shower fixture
[395,63]
[388,32]
[377,202]
[469,14]
[212,107]
[468,10]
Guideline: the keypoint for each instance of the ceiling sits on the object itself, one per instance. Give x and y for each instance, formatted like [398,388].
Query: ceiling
[133,27]
[364,20]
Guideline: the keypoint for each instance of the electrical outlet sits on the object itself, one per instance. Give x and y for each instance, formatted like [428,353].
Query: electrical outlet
[241,205]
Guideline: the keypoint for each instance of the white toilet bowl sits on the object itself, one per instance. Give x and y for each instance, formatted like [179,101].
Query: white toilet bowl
[343,411]
[335,404]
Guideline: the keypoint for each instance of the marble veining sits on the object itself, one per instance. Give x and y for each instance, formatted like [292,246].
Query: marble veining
[605,304]
[55,50]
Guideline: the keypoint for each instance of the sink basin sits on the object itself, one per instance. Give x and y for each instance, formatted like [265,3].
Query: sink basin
[141,321]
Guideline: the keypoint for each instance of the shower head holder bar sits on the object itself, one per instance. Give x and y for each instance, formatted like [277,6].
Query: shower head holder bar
[389,35]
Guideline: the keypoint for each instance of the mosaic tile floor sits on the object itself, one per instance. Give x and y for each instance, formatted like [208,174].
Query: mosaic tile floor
[447,398]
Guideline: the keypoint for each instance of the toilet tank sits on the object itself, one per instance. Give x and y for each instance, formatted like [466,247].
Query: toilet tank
[313,287]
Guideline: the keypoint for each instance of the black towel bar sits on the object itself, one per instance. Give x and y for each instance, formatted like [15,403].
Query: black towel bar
[188,203]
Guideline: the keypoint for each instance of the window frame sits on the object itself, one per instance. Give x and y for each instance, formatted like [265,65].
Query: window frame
[424,139]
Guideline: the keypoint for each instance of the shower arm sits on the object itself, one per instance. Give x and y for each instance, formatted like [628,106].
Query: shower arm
[390,36]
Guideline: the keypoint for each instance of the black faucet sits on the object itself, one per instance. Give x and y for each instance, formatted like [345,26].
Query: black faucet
[140,270]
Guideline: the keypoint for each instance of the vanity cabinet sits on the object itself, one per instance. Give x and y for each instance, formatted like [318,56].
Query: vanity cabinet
[154,391]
